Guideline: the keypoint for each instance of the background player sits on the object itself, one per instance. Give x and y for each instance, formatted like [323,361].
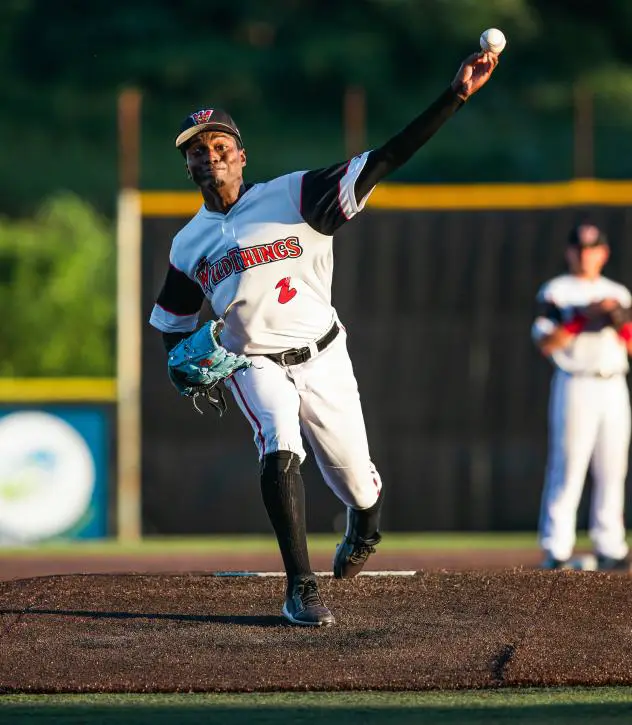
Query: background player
[262,255]
[584,327]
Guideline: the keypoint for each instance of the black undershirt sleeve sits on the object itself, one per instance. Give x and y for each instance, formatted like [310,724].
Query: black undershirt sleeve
[320,203]
[549,310]
[395,152]
[171,339]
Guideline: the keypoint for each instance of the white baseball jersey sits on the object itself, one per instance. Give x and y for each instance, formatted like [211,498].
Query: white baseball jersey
[596,350]
[266,265]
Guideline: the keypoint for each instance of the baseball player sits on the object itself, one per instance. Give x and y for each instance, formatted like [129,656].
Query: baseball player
[262,255]
[584,327]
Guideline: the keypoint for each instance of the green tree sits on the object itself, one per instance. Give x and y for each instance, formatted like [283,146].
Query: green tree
[57,292]
[282,67]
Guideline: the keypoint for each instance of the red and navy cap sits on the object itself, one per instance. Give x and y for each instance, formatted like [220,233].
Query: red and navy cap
[586,235]
[208,119]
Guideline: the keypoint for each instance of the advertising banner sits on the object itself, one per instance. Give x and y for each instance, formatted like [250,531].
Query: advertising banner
[53,473]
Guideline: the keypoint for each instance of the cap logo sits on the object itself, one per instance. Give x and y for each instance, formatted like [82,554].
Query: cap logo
[588,234]
[201,117]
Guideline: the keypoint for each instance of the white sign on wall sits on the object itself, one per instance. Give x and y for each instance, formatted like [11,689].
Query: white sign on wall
[47,476]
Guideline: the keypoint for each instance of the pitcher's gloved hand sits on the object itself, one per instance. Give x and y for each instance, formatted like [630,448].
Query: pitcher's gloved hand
[197,365]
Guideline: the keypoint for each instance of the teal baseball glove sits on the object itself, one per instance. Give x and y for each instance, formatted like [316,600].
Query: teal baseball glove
[197,365]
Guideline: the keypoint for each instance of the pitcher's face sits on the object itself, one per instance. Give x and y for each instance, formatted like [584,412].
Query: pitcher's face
[214,159]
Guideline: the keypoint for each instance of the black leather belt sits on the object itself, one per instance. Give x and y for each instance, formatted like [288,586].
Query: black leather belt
[296,356]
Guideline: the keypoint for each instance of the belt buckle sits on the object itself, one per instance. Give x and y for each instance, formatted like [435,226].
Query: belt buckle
[299,354]
[283,354]
[302,354]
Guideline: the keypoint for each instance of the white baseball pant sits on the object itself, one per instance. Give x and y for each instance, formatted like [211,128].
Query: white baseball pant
[589,423]
[320,398]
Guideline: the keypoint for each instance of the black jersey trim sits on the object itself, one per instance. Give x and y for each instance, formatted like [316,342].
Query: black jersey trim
[174,313]
[180,295]
[320,203]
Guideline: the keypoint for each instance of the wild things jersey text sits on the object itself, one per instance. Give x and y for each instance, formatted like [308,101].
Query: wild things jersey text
[210,273]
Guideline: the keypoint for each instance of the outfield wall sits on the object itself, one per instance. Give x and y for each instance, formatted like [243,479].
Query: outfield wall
[436,287]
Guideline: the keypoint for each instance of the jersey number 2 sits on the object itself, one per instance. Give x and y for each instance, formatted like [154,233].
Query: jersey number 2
[286,293]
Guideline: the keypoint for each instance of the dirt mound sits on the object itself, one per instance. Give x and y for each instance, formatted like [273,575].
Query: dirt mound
[153,633]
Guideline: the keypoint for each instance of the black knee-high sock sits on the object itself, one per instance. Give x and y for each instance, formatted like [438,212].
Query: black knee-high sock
[284,499]
[365,522]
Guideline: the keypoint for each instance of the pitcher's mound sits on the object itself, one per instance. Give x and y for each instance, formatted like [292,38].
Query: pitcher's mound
[200,632]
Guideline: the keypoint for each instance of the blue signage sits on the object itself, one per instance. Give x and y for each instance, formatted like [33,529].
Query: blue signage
[54,463]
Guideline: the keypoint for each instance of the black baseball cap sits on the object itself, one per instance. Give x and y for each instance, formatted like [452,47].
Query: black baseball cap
[586,235]
[207,119]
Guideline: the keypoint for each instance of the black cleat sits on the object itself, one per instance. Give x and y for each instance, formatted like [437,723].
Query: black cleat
[607,563]
[304,606]
[556,564]
[352,553]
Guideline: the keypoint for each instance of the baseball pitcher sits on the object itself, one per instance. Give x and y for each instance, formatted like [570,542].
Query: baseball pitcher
[262,255]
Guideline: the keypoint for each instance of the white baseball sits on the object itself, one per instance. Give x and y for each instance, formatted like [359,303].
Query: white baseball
[493,40]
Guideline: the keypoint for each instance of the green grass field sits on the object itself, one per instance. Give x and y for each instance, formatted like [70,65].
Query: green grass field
[449,541]
[542,707]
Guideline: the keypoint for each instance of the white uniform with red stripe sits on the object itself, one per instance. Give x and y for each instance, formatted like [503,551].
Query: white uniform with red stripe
[589,419]
[266,267]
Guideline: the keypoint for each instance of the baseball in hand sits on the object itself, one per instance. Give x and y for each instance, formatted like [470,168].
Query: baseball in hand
[493,40]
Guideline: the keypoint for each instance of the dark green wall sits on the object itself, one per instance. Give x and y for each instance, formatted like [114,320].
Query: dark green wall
[438,306]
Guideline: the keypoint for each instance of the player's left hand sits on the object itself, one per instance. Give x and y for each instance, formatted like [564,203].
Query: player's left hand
[198,363]
[600,308]
[610,304]
[474,73]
